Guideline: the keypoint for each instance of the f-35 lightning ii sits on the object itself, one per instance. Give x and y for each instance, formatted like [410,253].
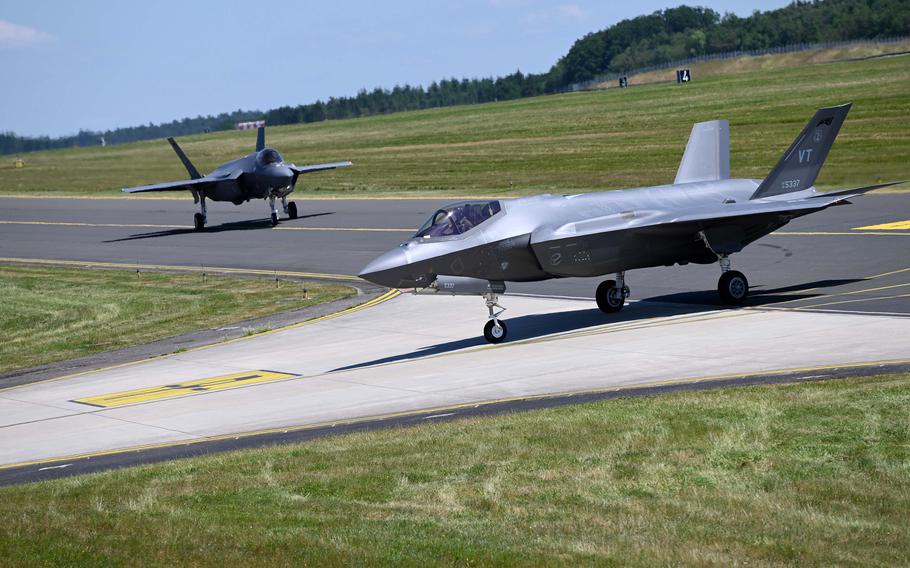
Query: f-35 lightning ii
[702,217]
[261,175]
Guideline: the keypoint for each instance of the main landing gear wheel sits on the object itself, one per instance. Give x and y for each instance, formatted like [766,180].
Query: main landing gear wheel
[274,218]
[292,210]
[495,331]
[610,297]
[198,222]
[733,288]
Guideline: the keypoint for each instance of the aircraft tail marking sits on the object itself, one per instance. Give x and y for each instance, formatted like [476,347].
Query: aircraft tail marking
[707,155]
[799,166]
[190,168]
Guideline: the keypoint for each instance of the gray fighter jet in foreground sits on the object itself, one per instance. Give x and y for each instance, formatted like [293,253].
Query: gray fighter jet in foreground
[262,175]
[703,217]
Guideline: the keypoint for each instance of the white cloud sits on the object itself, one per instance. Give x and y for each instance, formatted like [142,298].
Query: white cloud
[573,11]
[14,35]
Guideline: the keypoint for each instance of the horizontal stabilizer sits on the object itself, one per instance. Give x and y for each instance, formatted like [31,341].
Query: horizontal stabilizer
[707,155]
[858,190]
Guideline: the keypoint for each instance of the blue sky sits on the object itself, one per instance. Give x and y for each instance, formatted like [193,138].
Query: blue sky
[103,64]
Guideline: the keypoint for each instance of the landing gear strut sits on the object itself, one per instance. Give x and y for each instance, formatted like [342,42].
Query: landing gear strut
[611,294]
[495,330]
[732,286]
[290,209]
[200,218]
[273,209]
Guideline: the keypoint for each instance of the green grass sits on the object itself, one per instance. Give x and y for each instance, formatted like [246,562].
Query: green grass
[53,314]
[812,474]
[583,141]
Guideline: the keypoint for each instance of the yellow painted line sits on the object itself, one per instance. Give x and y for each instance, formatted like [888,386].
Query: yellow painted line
[181,389]
[180,268]
[873,299]
[353,229]
[836,294]
[896,226]
[835,233]
[187,227]
[75,224]
[391,294]
[478,404]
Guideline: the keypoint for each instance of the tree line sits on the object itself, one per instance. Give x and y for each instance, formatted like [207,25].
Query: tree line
[660,37]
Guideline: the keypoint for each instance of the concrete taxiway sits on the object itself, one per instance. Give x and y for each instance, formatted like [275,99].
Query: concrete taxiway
[802,264]
[830,290]
[333,369]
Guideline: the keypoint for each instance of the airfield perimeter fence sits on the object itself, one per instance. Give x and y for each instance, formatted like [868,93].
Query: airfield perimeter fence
[592,84]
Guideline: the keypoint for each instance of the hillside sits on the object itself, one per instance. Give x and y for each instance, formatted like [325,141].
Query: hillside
[560,143]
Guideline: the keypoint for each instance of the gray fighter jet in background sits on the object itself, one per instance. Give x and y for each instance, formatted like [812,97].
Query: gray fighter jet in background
[702,217]
[261,175]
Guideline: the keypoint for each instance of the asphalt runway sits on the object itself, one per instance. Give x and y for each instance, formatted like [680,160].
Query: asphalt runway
[800,266]
[829,293]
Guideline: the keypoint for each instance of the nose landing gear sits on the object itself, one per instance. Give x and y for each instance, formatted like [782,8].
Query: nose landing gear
[273,209]
[495,330]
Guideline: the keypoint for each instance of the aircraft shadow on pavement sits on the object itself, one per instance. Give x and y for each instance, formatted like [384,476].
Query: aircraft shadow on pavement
[254,224]
[539,325]
[759,296]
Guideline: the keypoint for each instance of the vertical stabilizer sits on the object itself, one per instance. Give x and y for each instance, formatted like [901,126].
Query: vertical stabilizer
[707,155]
[190,168]
[800,165]
[260,138]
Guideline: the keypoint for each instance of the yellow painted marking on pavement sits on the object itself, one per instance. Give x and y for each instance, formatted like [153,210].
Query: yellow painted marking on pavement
[873,299]
[353,229]
[896,226]
[75,224]
[437,409]
[391,294]
[836,233]
[181,389]
[836,294]
[187,227]
[180,268]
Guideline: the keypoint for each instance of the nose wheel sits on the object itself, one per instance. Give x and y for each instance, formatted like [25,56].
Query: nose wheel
[611,294]
[495,330]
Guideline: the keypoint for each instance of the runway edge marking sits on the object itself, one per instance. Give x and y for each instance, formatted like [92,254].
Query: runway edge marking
[440,409]
[389,295]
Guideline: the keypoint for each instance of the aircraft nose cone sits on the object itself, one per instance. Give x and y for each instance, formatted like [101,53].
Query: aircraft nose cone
[389,269]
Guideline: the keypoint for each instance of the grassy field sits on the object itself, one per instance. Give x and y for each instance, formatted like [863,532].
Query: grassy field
[561,143]
[53,314]
[812,474]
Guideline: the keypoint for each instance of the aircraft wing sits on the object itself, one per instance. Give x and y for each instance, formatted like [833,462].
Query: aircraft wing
[319,167]
[729,227]
[194,185]
[191,184]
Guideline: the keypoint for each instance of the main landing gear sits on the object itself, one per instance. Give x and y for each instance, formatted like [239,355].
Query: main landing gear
[495,330]
[732,286]
[611,294]
[290,209]
[200,218]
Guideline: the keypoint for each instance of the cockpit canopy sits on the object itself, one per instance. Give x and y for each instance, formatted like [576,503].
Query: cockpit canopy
[458,218]
[268,156]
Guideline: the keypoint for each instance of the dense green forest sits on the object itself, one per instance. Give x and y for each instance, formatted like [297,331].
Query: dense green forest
[660,37]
